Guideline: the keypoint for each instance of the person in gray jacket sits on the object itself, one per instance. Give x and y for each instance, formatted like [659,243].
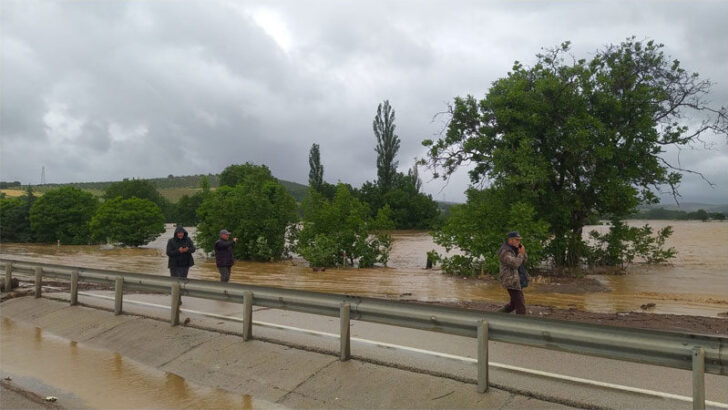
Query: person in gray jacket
[512,257]
[224,254]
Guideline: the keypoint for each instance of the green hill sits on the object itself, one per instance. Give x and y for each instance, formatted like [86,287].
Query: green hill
[172,187]
[688,207]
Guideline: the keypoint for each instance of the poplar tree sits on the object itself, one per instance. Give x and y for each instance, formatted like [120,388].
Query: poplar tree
[316,172]
[387,145]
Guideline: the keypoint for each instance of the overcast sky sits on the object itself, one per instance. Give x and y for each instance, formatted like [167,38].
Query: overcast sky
[105,90]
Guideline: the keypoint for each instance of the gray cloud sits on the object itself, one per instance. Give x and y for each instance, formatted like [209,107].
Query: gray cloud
[107,90]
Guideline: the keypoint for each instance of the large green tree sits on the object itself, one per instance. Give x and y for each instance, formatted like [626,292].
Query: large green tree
[410,209]
[257,212]
[576,137]
[387,145]
[342,231]
[15,217]
[130,222]
[63,214]
[236,174]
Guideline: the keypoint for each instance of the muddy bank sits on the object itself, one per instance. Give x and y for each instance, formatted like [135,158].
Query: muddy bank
[642,320]
[552,284]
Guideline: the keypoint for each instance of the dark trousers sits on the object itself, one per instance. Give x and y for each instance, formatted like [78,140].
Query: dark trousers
[517,303]
[224,273]
[179,271]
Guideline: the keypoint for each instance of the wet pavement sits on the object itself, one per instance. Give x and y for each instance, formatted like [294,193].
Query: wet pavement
[91,358]
[207,360]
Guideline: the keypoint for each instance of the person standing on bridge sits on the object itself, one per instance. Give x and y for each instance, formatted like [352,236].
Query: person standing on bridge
[512,257]
[180,249]
[224,254]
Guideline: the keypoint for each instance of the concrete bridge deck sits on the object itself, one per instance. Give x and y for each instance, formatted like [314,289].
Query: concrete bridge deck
[272,373]
[298,370]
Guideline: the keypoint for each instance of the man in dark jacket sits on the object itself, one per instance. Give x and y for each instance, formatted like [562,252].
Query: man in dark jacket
[180,249]
[512,257]
[224,254]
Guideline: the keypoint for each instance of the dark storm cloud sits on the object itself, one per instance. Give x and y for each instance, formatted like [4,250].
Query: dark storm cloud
[107,90]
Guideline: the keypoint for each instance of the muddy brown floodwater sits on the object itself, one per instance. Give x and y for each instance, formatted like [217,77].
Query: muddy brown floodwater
[695,283]
[81,376]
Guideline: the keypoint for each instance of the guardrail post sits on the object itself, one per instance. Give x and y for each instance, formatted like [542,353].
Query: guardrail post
[74,288]
[247,315]
[38,281]
[699,378]
[8,277]
[175,304]
[345,334]
[118,294]
[483,356]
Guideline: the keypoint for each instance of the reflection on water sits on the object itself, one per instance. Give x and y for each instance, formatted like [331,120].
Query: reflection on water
[83,377]
[695,283]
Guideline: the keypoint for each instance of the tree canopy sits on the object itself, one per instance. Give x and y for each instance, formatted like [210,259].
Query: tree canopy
[15,217]
[128,188]
[130,222]
[410,209]
[257,212]
[236,174]
[575,137]
[342,231]
[63,214]
[478,229]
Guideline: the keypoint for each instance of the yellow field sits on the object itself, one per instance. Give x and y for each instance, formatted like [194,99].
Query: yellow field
[172,194]
[12,192]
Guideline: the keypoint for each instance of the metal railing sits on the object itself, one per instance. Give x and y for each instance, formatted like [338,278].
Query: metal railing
[698,353]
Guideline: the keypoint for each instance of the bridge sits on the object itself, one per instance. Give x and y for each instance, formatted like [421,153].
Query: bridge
[404,355]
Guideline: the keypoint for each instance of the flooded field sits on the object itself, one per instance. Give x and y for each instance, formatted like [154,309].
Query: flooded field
[695,283]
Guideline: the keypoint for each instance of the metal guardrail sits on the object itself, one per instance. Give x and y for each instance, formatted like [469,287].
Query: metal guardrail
[698,353]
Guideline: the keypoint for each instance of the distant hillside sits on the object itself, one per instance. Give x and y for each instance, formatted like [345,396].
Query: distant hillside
[171,181]
[688,207]
[172,187]
[298,191]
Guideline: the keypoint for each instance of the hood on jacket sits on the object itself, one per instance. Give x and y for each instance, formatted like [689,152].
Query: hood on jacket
[178,230]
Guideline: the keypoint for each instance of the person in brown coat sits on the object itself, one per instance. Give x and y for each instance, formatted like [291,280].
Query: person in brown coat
[512,257]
